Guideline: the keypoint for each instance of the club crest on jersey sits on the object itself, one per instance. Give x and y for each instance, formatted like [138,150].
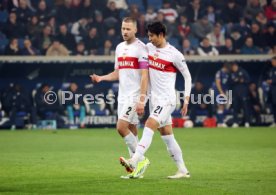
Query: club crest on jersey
[124,56]
[155,56]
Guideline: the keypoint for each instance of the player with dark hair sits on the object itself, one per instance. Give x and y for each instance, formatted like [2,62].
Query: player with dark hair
[164,61]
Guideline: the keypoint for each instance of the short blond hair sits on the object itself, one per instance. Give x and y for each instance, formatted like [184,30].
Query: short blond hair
[130,19]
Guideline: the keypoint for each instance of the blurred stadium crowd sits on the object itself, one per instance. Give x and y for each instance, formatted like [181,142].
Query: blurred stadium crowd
[92,27]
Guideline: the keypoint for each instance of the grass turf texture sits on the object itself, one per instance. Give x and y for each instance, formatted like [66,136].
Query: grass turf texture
[221,161]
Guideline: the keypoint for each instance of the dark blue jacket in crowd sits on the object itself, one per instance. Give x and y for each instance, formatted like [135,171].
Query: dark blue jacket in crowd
[240,81]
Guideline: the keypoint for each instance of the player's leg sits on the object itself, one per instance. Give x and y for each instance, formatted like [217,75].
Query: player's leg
[174,151]
[125,116]
[220,115]
[138,162]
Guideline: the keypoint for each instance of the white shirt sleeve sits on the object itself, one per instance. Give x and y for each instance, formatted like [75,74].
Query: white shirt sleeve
[180,64]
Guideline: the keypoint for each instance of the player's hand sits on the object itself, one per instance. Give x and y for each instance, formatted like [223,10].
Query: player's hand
[95,78]
[184,109]
[140,108]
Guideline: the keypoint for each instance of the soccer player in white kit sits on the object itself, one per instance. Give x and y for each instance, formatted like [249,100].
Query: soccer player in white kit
[131,69]
[164,61]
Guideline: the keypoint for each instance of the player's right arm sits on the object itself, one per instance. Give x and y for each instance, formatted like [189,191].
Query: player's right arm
[113,76]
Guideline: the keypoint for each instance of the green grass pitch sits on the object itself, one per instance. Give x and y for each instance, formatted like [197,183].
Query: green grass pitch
[221,161]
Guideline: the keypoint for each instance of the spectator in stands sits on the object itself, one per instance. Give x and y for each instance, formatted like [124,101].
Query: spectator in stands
[57,49]
[44,40]
[28,49]
[228,48]
[107,49]
[64,13]
[20,101]
[211,15]
[75,107]
[202,28]
[261,20]
[231,13]
[272,51]
[184,28]
[194,11]
[66,38]
[23,12]
[270,11]
[43,12]
[257,36]
[270,36]
[150,15]
[217,37]
[199,108]
[12,49]
[171,27]
[13,28]
[243,27]
[255,104]
[34,27]
[249,47]
[98,23]
[52,23]
[76,8]
[187,49]
[272,83]
[252,9]
[206,49]
[93,41]
[88,10]
[134,11]
[120,4]
[112,14]
[80,49]
[170,14]
[112,36]
[240,80]
[80,29]
[237,39]
[141,26]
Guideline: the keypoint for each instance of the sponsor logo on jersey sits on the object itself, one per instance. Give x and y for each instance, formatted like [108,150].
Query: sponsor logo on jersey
[126,62]
[161,65]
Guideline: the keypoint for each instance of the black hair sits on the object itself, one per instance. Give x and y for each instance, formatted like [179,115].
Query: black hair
[157,28]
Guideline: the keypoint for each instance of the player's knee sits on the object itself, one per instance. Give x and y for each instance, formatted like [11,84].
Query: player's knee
[133,129]
[152,123]
[122,128]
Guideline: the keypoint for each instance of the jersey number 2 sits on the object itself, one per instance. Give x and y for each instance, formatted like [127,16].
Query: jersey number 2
[128,110]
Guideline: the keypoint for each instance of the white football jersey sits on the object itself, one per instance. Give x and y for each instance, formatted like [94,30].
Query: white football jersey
[129,60]
[163,66]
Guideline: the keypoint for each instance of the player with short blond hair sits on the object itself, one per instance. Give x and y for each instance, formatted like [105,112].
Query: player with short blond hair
[131,69]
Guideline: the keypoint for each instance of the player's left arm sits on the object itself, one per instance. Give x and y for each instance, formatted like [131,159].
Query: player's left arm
[144,67]
[181,65]
[143,92]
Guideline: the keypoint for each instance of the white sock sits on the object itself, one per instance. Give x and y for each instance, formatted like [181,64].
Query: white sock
[131,143]
[175,152]
[143,145]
